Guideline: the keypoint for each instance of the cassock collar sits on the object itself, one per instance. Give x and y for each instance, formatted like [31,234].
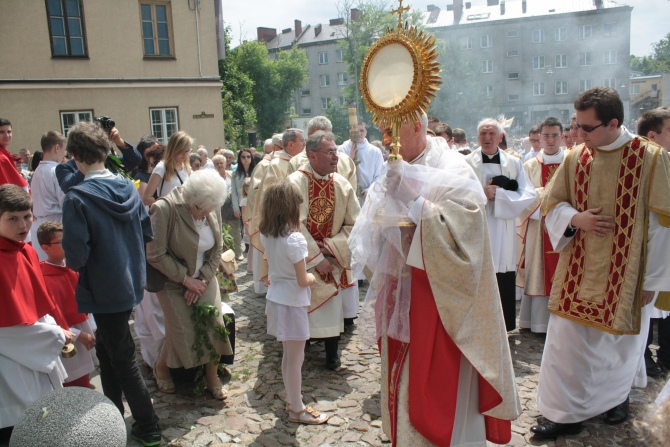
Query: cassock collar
[286,154]
[491,158]
[317,176]
[552,159]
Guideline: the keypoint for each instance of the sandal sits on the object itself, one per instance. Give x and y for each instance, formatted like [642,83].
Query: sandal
[217,392]
[308,416]
[164,386]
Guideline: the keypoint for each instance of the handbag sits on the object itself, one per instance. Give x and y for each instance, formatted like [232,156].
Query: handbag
[155,278]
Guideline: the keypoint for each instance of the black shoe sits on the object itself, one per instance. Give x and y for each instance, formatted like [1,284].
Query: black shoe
[349,322]
[149,439]
[618,414]
[333,364]
[653,369]
[552,430]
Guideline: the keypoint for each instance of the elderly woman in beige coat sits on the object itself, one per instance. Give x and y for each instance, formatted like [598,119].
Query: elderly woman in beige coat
[189,257]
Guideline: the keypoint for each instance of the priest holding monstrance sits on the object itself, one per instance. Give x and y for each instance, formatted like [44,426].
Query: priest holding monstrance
[422,239]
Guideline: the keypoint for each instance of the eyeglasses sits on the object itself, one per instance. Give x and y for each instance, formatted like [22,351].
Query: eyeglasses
[534,140]
[245,156]
[55,243]
[548,136]
[589,129]
[329,153]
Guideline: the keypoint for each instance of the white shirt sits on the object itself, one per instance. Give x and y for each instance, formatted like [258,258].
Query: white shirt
[282,254]
[371,162]
[47,200]
[174,181]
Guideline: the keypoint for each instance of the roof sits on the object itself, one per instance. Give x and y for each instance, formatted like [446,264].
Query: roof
[513,10]
[329,33]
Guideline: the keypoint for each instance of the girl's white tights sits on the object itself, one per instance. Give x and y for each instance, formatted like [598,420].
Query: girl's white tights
[291,370]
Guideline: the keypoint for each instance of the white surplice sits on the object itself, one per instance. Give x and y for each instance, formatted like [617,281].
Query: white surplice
[47,200]
[507,206]
[586,371]
[30,366]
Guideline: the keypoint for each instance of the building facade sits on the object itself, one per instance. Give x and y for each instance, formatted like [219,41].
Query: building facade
[648,92]
[151,65]
[535,57]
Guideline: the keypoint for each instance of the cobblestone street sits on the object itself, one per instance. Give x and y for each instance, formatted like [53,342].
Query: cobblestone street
[254,414]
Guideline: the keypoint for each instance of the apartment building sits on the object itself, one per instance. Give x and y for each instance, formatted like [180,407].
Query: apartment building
[535,57]
[648,92]
[151,65]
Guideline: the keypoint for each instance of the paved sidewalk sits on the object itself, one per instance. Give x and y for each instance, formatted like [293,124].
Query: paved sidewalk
[254,412]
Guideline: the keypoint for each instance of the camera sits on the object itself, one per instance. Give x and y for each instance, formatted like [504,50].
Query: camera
[105,122]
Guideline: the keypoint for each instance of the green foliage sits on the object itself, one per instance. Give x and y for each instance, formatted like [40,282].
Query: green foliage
[204,323]
[340,119]
[274,82]
[461,101]
[658,62]
[227,236]
[237,100]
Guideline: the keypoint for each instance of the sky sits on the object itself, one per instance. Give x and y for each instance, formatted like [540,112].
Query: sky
[650,20]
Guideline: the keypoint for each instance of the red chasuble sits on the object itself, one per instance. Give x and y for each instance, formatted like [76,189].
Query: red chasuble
[8,172]
[25,297]
[62,283]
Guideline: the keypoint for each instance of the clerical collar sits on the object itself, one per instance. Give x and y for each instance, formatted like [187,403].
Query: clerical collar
[622,139]
[554,158]
[486,158]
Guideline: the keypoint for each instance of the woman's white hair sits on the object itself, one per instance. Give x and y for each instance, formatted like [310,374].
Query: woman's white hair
[205,189]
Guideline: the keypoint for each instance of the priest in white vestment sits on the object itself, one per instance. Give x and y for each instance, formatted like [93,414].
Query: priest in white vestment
[607,211]
[509,193]
[447,376]
[537,259]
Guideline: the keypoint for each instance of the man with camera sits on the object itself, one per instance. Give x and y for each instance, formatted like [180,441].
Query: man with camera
[67,173]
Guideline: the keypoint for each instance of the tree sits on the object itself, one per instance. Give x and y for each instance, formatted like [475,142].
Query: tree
[339,117]
[274,82]
[658,62]
[462,100]
[237,100]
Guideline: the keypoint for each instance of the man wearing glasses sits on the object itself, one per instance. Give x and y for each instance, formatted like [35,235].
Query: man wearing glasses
[535,143]
[607,212]
[537,260]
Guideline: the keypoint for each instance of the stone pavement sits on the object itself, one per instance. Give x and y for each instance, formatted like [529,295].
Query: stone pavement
[254,412]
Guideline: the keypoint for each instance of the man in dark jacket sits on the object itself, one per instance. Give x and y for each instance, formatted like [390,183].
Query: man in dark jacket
[105,228]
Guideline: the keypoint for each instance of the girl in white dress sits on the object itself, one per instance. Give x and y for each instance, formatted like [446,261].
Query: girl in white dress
[289,294]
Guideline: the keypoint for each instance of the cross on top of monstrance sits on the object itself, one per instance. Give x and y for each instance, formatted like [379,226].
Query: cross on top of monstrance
[399,11]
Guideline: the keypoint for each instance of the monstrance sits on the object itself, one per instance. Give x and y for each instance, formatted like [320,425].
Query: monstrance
[399,77]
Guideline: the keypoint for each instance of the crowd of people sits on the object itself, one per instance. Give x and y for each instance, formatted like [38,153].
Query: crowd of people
[573,223]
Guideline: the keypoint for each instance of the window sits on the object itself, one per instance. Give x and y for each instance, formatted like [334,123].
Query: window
[157,29]
[561,61]
[489,91]
[305,92]
[466,43]
[69,119]
[539,89]
[585,32]
[513,75]
[342,79]
[538,62]
[609,82]
[585,84]
[561,87]
[306,111]
[512,53]
[325,103]
[610,57]
[487,66]
[609,29]
[340,55]
[486,41]
[513,33]
[538,35]
[560,34]
[585,58]
[635,89]
[323,57]
[325,80]
[164,122]
[66,28]
[512,97]
[342,103]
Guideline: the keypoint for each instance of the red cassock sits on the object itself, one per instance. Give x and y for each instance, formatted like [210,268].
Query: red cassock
[8,172]
[62,283]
